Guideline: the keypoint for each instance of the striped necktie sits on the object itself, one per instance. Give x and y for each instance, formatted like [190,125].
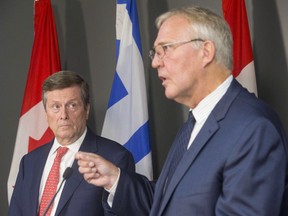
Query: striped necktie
[181,144]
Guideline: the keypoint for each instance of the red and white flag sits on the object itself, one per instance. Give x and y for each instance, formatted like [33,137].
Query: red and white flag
[33,130]
[234,12]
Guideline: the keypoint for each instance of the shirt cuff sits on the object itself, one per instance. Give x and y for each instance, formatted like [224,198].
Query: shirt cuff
[112,190]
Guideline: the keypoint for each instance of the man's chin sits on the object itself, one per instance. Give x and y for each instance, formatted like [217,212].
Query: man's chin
[64,127]
[169,95]
[64,133]
[65,138]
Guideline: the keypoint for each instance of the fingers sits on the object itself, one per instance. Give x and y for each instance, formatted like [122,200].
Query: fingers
[86,159]
[86,156]
[86,163]
[87,166]
[97,170]
[91,176]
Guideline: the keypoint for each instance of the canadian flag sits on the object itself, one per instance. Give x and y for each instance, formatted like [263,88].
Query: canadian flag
[234,12]
[33,129]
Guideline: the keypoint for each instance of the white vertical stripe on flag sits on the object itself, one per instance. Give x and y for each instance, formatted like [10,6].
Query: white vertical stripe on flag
[126,119]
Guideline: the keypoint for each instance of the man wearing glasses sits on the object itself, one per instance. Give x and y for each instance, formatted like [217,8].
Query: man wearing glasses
[229,158]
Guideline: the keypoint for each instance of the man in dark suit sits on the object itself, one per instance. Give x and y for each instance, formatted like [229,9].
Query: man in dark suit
[66,101]
[235,158]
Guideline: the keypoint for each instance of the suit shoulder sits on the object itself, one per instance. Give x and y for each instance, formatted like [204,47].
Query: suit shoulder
[108,143]
[39,150]
[252,105]
[115,152]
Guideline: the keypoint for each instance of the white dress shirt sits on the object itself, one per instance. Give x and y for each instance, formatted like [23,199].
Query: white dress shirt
[202,111]
[67,161]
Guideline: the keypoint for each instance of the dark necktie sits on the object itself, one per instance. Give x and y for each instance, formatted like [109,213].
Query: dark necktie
[181,144]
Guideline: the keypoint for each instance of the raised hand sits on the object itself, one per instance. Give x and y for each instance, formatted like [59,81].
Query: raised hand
[96,170]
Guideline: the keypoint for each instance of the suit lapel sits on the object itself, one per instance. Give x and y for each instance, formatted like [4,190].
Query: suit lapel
[208,130]
[161,182]
[88,145]
[189,157]
[70,186]
[41,157]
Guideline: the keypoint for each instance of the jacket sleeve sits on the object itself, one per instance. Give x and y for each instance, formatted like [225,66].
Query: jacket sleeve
[134,195]
[15,202]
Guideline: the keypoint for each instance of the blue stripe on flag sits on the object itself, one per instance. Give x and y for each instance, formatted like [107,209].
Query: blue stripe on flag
[123,2]
[137,144]
[118,91]
[117,49]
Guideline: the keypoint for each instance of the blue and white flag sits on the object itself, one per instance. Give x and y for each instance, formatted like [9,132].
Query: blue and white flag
[126,119]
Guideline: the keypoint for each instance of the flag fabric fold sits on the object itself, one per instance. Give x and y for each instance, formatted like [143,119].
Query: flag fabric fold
[126,119]
[234,12]
[33,130]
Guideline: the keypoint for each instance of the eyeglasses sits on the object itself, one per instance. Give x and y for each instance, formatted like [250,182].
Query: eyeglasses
[161,49]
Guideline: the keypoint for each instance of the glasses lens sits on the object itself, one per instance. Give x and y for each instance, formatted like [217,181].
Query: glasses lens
[158,50]
[151,54]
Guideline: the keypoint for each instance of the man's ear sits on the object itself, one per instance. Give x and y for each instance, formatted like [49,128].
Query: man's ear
[87,111]
[46,117]
[209,52]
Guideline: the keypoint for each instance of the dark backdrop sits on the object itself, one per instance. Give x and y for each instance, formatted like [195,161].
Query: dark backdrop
[86,32]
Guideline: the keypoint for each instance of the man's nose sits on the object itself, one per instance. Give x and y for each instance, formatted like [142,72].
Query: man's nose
[156,62]
[64,113]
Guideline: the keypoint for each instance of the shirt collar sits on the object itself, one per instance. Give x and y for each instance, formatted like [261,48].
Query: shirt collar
[205,107]
[72,147]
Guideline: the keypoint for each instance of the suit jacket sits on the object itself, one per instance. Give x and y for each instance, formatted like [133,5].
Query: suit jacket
[236,166]
[78,197]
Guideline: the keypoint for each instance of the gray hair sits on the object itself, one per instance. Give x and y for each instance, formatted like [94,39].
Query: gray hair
[206,25]
[65,79]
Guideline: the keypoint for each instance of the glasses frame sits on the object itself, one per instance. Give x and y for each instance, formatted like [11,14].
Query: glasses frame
[164,47]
